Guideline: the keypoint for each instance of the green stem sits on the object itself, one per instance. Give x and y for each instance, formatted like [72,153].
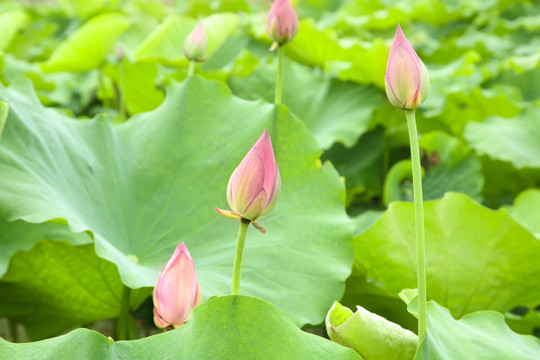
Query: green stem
[191,70]
[120,99]
[237,269]
[279,79]
[419,222]
[13,330]
[126,329]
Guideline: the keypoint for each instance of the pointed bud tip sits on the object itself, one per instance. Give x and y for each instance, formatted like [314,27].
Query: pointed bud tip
[176,290]
[406,78]
[255,184]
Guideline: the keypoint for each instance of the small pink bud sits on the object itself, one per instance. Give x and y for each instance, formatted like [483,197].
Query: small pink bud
[406,80]
[195,44]
[120,52]
[177,290]
[282,22]
[254,186]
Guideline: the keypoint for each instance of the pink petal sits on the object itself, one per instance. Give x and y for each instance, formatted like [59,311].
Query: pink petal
[254,185]
[282,22]
[403,68]
[176,288]
[158,320]
[228,213]
[256,206]
[247,181]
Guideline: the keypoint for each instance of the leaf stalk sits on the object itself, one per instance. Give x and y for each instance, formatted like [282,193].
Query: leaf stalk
[279,79]
[126,326]
[191,69]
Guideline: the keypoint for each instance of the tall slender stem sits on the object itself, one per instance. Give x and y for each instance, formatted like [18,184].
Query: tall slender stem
[419,222]
[191,70]
[121,92]
[279,79]
[126,330]
[237,269]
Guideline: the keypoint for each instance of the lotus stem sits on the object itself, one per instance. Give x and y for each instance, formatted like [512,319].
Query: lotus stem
[279,79]
[126,329]
[237,269]
[191,69]
[419,224]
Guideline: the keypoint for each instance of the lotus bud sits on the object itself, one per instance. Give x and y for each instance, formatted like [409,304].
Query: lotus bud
[177,290]
[406,80]
[282,22]
[254,186]
[195,44]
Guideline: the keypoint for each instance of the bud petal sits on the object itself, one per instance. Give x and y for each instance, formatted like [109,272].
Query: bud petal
[195,44]
[228,213]
[406,80]
[282,22]
[177,290]
[255,184]
[258,226]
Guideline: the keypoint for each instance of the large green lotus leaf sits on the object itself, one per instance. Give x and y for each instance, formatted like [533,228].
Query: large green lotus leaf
[55,287]
[525,210]
[482,335]
[365,220]
[166,42]
[144,186]
[514,140]
[80,344]
[476,258]
[87,47]
[20,235]
[10,23]
[230,327]
[4,109]
[334,111]
[136,84]
[370,335]
[235,327]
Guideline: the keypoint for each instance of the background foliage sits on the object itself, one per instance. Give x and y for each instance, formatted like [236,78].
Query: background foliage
[110,157]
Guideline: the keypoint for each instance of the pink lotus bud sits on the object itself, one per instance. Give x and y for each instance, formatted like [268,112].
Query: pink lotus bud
[406,80]
[177,290]
[254,186]
[195,44]
[282,22]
